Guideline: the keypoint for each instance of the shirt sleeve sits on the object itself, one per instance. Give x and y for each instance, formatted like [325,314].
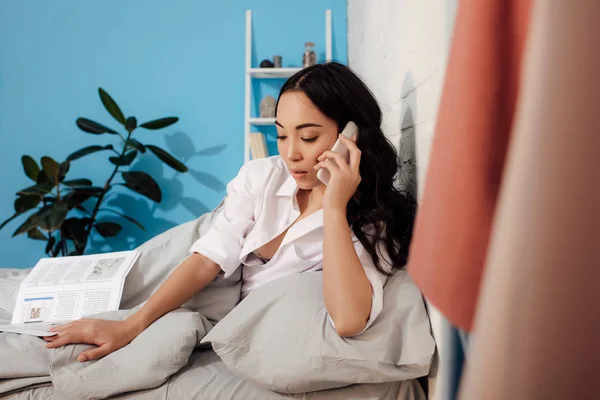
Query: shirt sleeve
[376,278]
[223,242]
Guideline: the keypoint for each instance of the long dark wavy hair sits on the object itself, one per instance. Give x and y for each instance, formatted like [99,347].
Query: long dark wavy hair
[342,96]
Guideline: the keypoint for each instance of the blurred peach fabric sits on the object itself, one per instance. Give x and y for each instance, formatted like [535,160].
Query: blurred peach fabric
[467,161]
[538,322]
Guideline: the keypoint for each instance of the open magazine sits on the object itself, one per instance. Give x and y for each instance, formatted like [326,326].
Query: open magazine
[58,290]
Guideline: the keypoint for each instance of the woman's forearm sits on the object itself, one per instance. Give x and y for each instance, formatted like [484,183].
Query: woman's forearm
[193,274]
[346,289]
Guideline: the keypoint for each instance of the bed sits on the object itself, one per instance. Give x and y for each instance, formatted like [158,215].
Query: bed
[179,367]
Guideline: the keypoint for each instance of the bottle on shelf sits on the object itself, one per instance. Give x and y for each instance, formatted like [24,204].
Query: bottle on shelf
[309,57]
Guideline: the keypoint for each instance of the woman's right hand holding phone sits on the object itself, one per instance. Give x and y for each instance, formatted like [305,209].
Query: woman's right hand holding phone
[344,176]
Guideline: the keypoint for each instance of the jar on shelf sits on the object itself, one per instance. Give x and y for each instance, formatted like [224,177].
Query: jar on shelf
[309,57]
[267,107]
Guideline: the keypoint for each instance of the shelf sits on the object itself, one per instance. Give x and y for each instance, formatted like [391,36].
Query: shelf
[272,72]
[269,73]
[262,121]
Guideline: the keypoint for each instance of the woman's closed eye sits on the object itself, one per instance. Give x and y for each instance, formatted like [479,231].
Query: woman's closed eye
[307,140]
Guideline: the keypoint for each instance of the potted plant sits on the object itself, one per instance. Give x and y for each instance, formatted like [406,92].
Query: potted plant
[54,205]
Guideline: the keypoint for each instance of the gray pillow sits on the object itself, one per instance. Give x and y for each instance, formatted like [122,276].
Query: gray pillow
[280,337]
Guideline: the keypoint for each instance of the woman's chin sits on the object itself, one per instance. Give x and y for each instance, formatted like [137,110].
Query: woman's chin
[309,184]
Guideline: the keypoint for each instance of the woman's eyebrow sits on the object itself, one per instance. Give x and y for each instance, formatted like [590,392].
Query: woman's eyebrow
[302,126]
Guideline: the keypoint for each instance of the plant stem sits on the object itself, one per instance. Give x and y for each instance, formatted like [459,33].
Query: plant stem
[104,191]
[64,248]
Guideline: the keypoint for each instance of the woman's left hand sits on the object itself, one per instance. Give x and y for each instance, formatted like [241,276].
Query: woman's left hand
[344,177]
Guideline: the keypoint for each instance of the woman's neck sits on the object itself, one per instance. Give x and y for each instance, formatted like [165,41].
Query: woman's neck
[311,198]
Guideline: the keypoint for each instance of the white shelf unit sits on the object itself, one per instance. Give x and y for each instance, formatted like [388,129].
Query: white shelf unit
[272,72]
[262,121]
[266,73]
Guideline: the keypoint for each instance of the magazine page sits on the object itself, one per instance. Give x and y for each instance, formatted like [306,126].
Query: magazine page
[37,329]
[81,269]
[69,288]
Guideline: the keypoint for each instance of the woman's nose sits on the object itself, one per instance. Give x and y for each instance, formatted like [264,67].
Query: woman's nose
[294,152]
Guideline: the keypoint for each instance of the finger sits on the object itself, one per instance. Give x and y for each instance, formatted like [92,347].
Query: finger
[60,328]
[50,338]
[68,337]
[330,166]
[61,341]
[94,354]
[349,142]
[354,151]
[329,154]
[339,160]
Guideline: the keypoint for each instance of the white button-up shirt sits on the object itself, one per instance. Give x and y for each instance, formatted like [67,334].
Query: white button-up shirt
[260,205]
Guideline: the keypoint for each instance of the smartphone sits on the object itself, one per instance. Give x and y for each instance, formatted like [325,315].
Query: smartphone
[350,130]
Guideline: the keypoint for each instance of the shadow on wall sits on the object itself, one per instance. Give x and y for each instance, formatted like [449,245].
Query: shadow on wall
[407,179]
[170,181]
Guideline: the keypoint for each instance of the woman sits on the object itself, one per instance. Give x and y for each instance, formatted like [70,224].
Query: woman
[279,219]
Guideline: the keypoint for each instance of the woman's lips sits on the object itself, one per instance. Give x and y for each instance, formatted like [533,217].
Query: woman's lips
[298,173]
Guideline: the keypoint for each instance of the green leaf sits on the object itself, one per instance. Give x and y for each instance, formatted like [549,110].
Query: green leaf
[108,229]
[143,184]
[51,168]
[159,123]
[52,217]
[74,199]
[63,170]
[131,124]
[8,220]
[50,243]
[26,202]
[31,168]
[89,126]
[127,159]
[75,229]
[39,190]
[29,223]
[136,145]
[44,214]
[36,234]
[167,158]
[78,195]
[88,150]
[128,218]
[78,182]
[111,106]
[43,178]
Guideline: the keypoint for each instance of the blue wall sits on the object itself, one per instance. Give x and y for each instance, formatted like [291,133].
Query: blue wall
[184,59]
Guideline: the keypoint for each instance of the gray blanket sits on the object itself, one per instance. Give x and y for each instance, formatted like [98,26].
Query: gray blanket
[172,339]
[165,361]
[174,369]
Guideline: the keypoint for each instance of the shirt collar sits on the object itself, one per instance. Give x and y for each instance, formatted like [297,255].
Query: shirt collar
[288,187]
